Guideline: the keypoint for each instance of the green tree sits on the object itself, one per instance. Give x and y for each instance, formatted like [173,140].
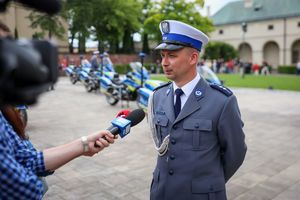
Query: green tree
[52,24]
[182,10]
[215,50]
[79,17]
[146,10]
[115,21]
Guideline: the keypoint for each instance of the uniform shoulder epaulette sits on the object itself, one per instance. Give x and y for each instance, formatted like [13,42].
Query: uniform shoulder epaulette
[221,88]
[161,86]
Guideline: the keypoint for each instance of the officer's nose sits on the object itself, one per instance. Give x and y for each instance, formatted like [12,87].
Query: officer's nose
[165,61]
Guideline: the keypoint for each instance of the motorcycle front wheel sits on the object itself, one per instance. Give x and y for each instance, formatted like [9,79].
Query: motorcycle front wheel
[73,79]
[89,87]
[111,100]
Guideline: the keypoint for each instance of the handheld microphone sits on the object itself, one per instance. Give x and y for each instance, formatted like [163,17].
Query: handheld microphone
[122,126]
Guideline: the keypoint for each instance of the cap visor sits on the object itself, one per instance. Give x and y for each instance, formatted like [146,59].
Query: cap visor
[166,46]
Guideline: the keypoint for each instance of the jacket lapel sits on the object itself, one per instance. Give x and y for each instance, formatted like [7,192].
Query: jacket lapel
[193,102]
[169,103]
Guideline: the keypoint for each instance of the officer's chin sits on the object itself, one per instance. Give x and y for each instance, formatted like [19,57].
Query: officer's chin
[170,76]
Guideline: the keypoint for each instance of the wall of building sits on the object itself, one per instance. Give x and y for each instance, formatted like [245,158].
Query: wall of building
[262,40]
[16,17]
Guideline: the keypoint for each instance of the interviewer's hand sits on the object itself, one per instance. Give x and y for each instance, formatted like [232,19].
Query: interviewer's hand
[96,138]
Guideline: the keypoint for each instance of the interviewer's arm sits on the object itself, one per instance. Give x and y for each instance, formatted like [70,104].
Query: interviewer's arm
[58,156]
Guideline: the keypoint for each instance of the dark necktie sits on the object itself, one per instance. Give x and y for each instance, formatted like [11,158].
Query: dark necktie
[177,106]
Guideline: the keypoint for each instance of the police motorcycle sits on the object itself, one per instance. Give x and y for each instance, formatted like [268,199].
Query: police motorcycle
[122,88]
[126,87]
[69,70]
[101,77]
[72,72]
[208,74]
[78,73]
[145,92]
[84,71]
[147,86]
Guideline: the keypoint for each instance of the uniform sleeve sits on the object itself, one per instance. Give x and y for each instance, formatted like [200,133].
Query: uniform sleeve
[231,137]
[16,181]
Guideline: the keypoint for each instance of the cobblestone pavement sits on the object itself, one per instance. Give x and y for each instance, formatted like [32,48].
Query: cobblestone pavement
[124,170]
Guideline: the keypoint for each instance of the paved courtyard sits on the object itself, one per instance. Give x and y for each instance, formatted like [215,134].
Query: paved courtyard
[124,170]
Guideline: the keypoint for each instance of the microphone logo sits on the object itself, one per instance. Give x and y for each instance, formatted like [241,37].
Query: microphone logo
[123,125]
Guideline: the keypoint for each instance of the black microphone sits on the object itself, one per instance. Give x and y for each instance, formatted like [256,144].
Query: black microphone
[48,6]
[121,126]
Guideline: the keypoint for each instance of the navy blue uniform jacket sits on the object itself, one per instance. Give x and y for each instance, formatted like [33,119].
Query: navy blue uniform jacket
[206,146]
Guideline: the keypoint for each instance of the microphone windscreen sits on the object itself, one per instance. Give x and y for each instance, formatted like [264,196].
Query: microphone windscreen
[136,116]
[49,6]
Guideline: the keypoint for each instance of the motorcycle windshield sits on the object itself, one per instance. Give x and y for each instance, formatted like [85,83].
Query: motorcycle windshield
[208,74]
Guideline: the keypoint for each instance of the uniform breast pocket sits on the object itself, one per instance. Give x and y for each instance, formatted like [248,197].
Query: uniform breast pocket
[161,123]
[198,134]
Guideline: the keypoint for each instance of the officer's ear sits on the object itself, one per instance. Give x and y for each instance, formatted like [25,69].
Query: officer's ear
[194,56]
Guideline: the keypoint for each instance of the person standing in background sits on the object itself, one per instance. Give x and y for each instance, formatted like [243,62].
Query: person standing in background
[94,60]
[298,67]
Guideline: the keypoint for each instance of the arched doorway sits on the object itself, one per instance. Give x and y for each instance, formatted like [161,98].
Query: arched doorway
[296,51]
[271,54]
[245,52]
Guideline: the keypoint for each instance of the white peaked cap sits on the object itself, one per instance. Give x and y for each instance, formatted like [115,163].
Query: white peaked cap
[176,35]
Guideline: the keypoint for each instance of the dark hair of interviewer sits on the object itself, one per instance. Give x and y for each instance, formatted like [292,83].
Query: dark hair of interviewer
[13,117]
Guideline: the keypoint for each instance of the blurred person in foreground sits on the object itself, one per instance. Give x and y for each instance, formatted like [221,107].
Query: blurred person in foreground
[196,126]
[21,165]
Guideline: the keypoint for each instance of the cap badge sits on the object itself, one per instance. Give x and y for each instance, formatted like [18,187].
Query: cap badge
[165,26]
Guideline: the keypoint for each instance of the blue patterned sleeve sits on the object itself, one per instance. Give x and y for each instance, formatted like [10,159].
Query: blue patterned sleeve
[25,153]
[17,182]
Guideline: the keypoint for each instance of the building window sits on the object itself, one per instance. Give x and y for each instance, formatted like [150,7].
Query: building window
[270,27]
[221,32]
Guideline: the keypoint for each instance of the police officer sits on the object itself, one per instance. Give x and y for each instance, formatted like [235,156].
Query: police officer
[196,126]
[94,60]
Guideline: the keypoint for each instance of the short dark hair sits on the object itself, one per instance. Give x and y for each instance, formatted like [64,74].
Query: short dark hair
[4,27]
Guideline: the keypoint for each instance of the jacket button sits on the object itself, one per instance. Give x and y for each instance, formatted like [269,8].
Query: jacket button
[175,127]
[158,121]
[171,172]
[173,141]
[172,157]
[197,125]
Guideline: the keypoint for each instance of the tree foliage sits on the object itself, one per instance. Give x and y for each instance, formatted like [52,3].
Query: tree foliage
[53,25]
[146,11]
[79,17]
[113,22]
[215,50]
[182,10]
